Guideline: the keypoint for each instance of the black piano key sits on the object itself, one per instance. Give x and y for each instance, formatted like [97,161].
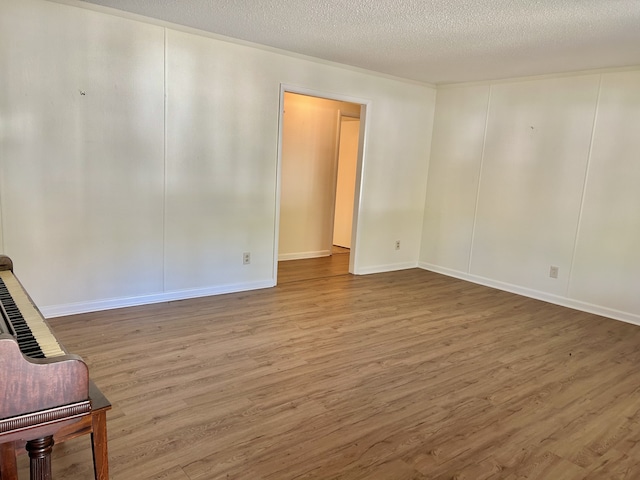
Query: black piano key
[28,344]
[27,340]
[31,350]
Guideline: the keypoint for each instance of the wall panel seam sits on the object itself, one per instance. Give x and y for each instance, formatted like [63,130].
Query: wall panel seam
[584,187]
[475,211]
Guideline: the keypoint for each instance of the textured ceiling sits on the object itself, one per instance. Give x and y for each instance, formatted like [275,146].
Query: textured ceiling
[434,41]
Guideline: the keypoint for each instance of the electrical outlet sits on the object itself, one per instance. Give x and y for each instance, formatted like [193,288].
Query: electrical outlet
[553,272]
[246,258]
[397,244]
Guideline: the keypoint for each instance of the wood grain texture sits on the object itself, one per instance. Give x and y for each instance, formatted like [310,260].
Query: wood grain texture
[401,375]
[5,263]
[314,268]
[34,384]
[8,466]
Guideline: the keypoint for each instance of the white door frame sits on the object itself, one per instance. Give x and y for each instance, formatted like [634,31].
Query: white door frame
[365,110]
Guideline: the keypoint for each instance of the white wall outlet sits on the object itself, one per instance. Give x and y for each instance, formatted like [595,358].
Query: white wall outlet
[397,244]
[553,271]
[246,258]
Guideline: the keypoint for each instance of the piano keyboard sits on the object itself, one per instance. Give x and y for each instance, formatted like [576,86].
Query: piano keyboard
[33,334]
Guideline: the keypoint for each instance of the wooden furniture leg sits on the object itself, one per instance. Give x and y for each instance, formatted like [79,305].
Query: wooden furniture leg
[8,464]
[99,445]
[40,458]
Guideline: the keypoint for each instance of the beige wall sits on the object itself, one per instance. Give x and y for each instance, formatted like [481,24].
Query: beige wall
[525,175]
[346,180]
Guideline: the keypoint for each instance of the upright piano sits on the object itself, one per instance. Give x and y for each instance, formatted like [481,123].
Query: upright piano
[46,395]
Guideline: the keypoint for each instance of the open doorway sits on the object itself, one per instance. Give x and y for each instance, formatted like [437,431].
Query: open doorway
[319,173]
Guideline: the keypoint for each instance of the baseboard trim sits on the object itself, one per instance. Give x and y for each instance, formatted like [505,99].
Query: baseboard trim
[302,255]
[390,267]
[110,304]
[536,294]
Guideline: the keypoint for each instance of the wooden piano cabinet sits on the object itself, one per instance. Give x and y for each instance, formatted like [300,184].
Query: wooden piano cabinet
[93,422]
[46,396]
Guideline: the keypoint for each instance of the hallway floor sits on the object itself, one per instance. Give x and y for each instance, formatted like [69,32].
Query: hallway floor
[313,268]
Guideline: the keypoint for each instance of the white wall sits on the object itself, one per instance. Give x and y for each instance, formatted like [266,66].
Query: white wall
[123,196]
[81,152]
[307,196]
[606,268]
[529,174]
[112,194]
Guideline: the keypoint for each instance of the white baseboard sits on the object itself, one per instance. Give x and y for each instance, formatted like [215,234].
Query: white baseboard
[538,295]
[390,267]
[302,255]
[112,303]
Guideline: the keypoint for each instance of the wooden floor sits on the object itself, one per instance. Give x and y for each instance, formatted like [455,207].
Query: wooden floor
[402,375]
[314,268]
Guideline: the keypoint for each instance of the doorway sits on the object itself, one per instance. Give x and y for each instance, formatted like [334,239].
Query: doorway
[318,190]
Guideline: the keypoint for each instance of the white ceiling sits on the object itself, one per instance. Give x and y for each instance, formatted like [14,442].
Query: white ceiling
[434,41]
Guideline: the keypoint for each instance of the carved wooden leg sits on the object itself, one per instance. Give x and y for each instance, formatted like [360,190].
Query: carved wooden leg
[40,458]
[8,465]
[99,445]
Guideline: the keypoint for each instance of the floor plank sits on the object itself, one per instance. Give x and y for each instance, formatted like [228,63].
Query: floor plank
[401,375]
[314,268]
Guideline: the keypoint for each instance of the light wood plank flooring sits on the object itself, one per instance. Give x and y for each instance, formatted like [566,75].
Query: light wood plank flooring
[401,375]
[314,268]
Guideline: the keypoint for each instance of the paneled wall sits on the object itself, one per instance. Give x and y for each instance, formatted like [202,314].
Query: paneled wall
[139,162]
[526,175]
[81,152]
[606,268]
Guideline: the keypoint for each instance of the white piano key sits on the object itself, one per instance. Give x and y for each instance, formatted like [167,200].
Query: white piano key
[39,328]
